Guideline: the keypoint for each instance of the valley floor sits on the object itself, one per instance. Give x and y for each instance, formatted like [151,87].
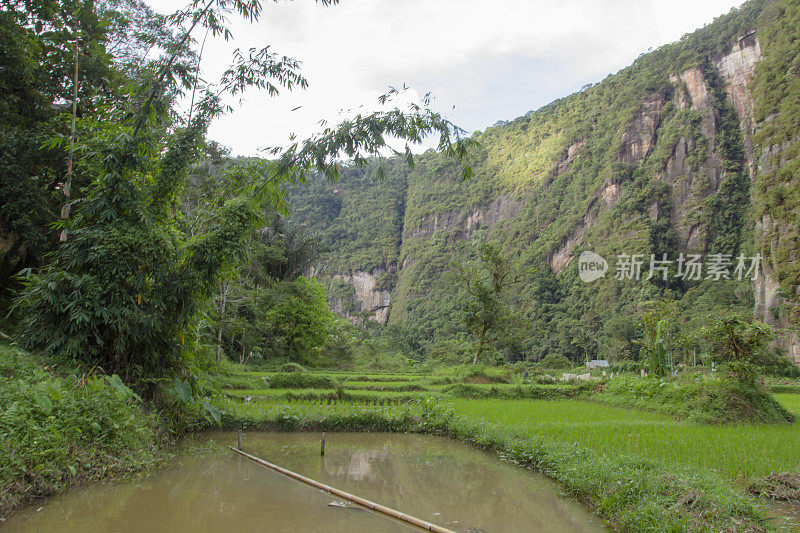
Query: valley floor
[641,470]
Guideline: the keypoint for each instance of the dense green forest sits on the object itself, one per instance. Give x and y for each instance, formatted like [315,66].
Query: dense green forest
[133,244]
[667,156]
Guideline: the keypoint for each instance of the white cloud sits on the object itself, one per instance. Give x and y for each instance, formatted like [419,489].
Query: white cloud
[491,60]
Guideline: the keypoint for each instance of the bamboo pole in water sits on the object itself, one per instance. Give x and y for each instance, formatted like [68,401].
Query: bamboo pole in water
[388,511]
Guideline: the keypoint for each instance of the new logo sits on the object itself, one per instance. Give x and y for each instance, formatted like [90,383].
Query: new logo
[591,266]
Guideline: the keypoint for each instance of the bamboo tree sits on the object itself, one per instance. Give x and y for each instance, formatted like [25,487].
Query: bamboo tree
[140,280]
[68,183]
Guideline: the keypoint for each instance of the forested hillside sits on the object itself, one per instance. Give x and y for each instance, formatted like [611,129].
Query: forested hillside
[690,150]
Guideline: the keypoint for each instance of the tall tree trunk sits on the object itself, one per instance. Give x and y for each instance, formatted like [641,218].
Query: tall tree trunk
[223,294]
[196,76]
[68,181]
[480,347]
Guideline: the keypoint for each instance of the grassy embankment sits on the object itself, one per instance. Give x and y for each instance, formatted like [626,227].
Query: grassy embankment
[700,397]
[740,453]
[58,430]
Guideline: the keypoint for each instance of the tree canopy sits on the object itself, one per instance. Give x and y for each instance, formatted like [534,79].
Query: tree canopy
[125,290]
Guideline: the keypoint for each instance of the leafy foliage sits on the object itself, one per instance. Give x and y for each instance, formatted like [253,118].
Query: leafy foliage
[716,398]
[741,343]
[777,110]
[59,430]
[484,282]
[125,291]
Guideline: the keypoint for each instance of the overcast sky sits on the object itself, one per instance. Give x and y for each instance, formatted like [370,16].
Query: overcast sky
[483,61]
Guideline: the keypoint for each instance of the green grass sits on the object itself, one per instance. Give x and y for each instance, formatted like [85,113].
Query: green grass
[516,391]
[738,452]
[388,385]
[791,402]
[269,393]
[717,398]
[299,394]
[633,460]
[346,375]
[258,412]
[360,376]
[358,384]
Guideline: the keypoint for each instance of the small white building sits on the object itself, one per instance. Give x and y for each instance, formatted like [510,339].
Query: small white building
[596,363]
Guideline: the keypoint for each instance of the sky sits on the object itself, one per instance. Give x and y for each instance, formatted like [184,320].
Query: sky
[482,61]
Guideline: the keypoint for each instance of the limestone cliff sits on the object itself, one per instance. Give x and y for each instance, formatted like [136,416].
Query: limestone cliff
[663,157]
[366,298]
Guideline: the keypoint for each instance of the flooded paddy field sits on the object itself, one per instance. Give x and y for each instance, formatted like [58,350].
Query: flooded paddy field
[210,488]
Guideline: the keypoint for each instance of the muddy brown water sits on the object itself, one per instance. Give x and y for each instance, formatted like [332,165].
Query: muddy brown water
[210,488]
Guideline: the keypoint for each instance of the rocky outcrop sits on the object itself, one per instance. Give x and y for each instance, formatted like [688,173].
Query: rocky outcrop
[609,195]
[366,298]
[640,136]
[569,155]
[697,89]
[463,225]
[688,151]
[692,183]
[736,70]
[769,298]
[562,256]
[689,189]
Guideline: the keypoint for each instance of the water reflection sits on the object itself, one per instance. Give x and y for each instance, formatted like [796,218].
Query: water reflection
[436,479]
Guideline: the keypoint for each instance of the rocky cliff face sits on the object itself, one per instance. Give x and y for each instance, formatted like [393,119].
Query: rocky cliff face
[366,299]
[466,222]
[658,158]
[737,68]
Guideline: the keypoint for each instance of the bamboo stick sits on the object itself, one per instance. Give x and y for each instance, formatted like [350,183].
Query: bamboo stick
[388,511]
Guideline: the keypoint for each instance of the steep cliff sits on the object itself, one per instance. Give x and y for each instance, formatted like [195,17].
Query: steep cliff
[668,156]
[774,130]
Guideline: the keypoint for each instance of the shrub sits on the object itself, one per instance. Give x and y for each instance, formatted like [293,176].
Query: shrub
[624,366]
[721,397]
[739,339]
[476,374]
[61,430]
[466,390]
[292,367]
[555,361]
[235,381]
[779,365]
